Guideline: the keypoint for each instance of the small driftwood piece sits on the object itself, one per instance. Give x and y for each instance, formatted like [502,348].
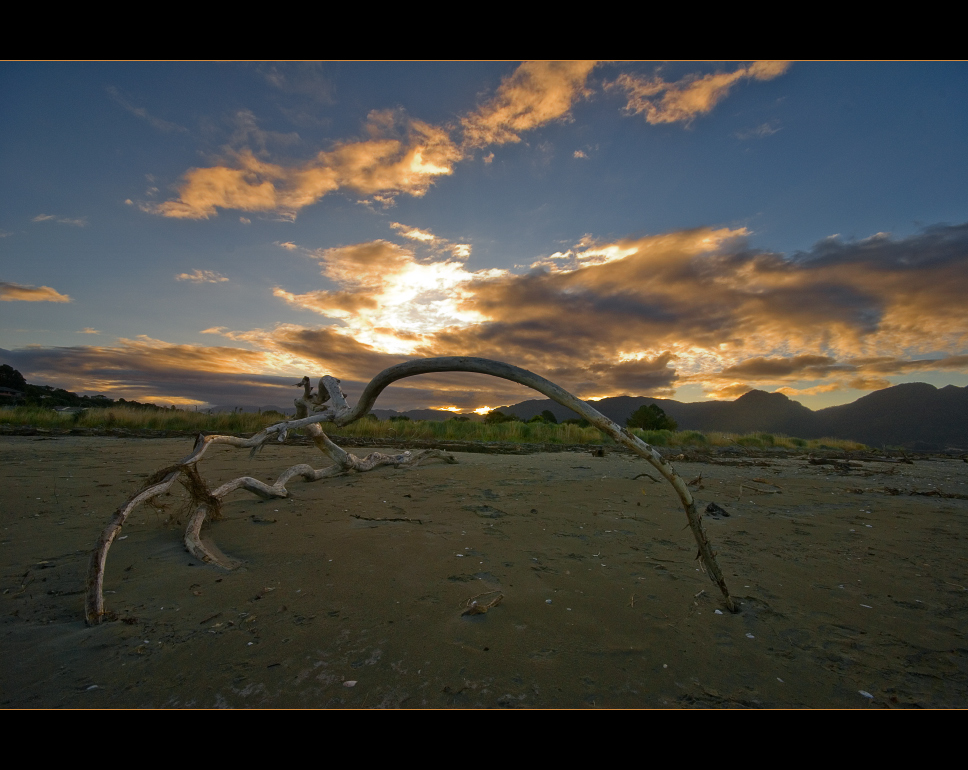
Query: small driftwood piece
[329,405]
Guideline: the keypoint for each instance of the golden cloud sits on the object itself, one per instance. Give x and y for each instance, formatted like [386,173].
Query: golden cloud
[637,315]
[15,292]
[401,155]
[536,93]
[694,95]
[413,233]
[729,392]
[388,296]
[640,315]
[831,387]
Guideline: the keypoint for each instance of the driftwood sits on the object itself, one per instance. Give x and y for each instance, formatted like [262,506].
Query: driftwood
[329,405]
[207,504]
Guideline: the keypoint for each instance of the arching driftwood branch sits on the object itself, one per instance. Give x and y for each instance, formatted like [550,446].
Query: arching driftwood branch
[342,414]
[311,412]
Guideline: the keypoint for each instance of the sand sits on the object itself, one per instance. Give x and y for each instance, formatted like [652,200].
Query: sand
[852,597]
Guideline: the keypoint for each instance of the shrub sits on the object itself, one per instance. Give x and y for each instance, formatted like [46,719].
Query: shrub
[692,437]
[651,417]
[496,418]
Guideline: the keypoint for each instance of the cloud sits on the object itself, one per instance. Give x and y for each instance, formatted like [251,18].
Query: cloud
[831,387]
[400,155]
[151,370]
[694,95]
[201,276]
[642,315]
[14,292]
[305,79]
[729,392]
[141,112]
[859,373]
[536,93]
[436,244]
[802,366]
[413,233]
[389,296]
[76,221]
[868,383]
[88,330]
[761,131]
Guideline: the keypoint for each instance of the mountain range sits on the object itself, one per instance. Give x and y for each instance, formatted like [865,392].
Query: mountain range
[914,415]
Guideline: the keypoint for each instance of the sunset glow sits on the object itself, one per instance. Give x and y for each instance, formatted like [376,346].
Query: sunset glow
[199,234]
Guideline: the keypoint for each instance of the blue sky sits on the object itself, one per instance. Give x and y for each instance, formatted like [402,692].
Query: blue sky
[207,233]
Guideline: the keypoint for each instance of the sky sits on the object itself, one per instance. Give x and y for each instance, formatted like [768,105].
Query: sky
[206,234]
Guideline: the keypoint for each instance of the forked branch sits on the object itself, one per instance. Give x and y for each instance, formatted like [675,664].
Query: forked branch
[312,410]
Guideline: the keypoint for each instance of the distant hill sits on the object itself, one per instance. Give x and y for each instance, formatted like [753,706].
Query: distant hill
[437,415]
[914,415]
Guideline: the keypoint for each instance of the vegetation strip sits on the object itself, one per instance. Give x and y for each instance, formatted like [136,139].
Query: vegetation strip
[136,422]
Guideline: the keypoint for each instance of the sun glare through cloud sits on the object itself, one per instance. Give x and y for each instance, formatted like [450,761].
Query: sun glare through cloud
[634,228]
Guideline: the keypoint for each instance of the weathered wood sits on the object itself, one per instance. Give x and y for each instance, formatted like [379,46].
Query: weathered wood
[344,415]
[311,411]
[205,502]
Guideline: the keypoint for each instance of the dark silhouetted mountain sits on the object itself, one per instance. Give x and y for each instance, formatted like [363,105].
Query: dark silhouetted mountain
[773,411]
[436,415]
[914,415]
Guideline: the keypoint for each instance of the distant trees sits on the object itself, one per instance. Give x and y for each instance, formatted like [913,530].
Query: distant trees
[651,417]
[46,396]
[11,378]
[547,417]
[496,418]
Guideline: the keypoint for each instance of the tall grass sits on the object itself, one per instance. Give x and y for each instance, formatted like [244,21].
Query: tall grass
[136,419]
[450,430]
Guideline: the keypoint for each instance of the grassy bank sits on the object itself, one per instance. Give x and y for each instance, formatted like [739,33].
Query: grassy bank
[450,430]
[137,419]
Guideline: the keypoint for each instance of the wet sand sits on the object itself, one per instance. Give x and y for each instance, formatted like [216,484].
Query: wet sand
[851,596]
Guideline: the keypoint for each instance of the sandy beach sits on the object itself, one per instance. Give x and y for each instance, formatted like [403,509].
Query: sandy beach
[353,590]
